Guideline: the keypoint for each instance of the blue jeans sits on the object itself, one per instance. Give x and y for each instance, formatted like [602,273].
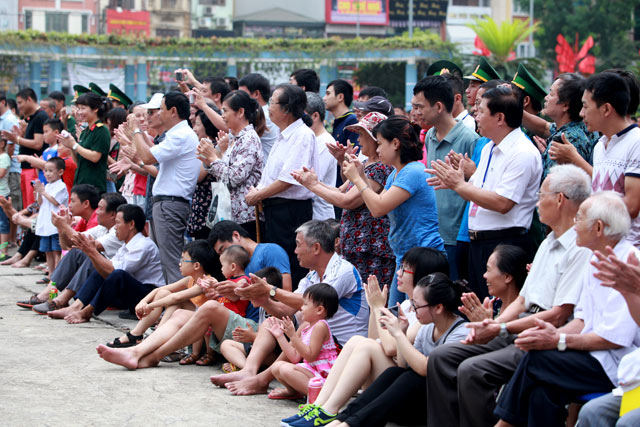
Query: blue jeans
[395,295]
[605,411]
[452,252]
[111,187]
[4,223]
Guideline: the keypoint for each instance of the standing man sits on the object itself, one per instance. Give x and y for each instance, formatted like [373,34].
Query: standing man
[7,122]
[433,100]
[482,74]
[502,191]
[337,100]
[178,169]
[31,142]
[257,86]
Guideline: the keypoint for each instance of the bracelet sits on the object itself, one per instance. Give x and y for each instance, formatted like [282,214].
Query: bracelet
[366,186]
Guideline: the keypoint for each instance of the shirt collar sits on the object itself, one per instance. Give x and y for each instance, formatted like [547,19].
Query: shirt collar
[335,258]
[290,130]
[567,238]
[244,130]
[178,126]
[463,115]
[133,241]
[509,141]
[627,129]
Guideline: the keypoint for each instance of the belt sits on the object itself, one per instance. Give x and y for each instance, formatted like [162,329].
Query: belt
[275,201]
[157,199]
[497,234]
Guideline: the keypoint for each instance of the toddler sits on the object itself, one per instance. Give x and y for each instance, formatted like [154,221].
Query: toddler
[312,343]
[49,197]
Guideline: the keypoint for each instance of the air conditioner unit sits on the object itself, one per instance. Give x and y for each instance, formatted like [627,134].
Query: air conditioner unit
[204,22]
[208,11]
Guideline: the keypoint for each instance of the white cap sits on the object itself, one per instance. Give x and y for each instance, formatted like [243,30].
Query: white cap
[155,102]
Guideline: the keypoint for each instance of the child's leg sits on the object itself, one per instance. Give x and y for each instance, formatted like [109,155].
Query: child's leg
[51,261]
[56,259]
[197,348]
[295,378]
[233,351]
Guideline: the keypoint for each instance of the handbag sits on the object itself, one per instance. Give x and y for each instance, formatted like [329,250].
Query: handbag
[220,208]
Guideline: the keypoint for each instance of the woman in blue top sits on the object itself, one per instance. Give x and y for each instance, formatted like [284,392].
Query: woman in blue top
[407,199]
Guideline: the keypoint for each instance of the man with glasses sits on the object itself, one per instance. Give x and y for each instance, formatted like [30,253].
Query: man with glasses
[502,189]
[465,377]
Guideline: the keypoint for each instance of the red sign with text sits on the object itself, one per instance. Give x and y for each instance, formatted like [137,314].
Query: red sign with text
[127,22]
[367,12]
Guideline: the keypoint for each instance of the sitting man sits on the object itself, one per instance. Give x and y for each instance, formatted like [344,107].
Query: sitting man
[582,357]
[74,268]
[124,280]
[464,378]
[315,251]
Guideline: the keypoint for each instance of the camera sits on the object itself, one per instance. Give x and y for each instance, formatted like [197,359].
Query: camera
[33,183]
[179,76]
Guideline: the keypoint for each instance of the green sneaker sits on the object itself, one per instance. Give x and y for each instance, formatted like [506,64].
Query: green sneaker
[314,418]
[303,410]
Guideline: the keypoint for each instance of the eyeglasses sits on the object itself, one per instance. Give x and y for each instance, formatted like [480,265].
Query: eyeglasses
[272,102]
[182,260]
[407,271]
[540,193]
[416,307]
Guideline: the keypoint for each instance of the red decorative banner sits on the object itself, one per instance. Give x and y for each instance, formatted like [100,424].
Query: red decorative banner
[127,22]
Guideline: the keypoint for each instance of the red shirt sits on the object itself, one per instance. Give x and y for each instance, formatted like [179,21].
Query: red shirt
[239,307]
[140,185]
[83,225]
[69,173]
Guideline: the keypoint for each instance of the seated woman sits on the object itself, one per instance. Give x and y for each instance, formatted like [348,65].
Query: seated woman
[363,359]
[396,394]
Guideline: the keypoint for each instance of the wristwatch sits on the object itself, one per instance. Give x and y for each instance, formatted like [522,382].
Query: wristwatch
[562,342]
[137,131]
[75,146]
[272,292]
[504,332]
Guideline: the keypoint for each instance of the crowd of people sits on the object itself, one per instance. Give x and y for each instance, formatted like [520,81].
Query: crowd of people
[468,264]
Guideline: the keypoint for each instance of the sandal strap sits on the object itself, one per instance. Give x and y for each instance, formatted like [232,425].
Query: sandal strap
[134,338]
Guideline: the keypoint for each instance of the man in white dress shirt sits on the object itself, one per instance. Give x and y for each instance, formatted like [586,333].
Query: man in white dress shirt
[502,191]
[176,180]
[123,280]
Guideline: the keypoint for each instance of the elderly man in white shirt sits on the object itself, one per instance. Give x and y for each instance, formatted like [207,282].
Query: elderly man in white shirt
[286,203]
[502,191]
[583,356]
[123,281]
[176,181]
[464,377]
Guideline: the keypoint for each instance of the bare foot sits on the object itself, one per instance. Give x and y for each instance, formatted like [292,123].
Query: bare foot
[283,393]
[63,312]
[20,264]
[17,257]
[148,361]
[221,380]
[80,316]
[118,356]
[247,386]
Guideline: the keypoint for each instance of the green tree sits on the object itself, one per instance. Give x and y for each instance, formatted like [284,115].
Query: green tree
[501,39]
[608,21]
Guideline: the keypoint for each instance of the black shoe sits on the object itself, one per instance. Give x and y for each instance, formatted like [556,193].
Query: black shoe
[126,314]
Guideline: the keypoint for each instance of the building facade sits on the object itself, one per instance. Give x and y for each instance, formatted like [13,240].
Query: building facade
[66,16]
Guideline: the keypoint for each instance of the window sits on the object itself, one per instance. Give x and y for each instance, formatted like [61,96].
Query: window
[28,19]
[162,32]
[85,24]
[475,3]
[169,4]
[57,21]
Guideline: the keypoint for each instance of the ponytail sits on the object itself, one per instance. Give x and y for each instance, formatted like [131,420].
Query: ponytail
[437,289]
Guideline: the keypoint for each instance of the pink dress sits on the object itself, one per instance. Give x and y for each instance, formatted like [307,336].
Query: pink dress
[328,353]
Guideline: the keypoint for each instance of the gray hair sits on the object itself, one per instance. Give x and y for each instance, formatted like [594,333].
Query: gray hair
[316,231]
[608,207]
[315,104]
[571,181]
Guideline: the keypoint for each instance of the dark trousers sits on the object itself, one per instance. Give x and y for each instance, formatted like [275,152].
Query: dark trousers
[479,253]
[30,242]
[397,395]
[462,258]
[545,382]
[464,381]
[119,289]
[281,219]
[72,270]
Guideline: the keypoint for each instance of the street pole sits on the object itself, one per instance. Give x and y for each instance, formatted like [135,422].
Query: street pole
[357,18]
[531,46]
[410,19]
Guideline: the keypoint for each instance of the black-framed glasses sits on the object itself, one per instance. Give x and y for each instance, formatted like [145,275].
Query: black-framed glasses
[416,307]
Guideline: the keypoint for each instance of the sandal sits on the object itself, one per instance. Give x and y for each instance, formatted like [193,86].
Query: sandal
[207,359]
[189,359]
[43,281]
[228,368]
[133,341]
[33,300]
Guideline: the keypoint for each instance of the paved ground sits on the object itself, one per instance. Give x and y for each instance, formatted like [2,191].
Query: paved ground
[52,376]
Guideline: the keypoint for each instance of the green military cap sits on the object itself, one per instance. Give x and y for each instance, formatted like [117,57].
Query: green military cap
[436,68]
[79,90]
[483,72]
[96,89]
[529,84]
[117,95]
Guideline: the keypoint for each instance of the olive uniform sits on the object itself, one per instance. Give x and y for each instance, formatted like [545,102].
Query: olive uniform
[96,138]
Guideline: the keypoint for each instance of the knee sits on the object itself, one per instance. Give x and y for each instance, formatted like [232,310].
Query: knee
[369,345]
[161,294]
[278,367]
[467,370]
[210,308]
[588,413]
[353,342]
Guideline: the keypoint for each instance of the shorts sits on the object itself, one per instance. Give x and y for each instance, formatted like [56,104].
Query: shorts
[5,224]
[16,192]
[234,321]
[49,243]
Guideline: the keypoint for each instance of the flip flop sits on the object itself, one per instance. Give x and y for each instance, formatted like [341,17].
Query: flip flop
[276,394]
[227,368]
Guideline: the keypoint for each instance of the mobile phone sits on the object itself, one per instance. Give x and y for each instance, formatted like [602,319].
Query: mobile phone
[394,310]
[192,98]
[179,76]
[33,183]
[65,134]
[558,138]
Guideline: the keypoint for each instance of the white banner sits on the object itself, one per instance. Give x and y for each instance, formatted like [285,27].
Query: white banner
[82,75]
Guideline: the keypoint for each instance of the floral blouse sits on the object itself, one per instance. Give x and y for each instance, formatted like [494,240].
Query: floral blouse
[240,168]
[361,232]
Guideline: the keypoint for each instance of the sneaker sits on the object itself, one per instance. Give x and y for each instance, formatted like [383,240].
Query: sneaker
[49,305]
[316,417]
[303,410]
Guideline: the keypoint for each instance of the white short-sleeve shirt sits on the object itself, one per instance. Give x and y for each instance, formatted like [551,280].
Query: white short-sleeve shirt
[107,238]
[352,316]
[605,313]
[327,173]
[178,166]
[513,170]
[140,258]
[57,190]
[554,278]
[467,119]
[294,148]
[613,160]
[269,136]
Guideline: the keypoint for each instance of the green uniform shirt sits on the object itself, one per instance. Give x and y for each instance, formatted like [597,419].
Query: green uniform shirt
[96,138]
[71,124]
